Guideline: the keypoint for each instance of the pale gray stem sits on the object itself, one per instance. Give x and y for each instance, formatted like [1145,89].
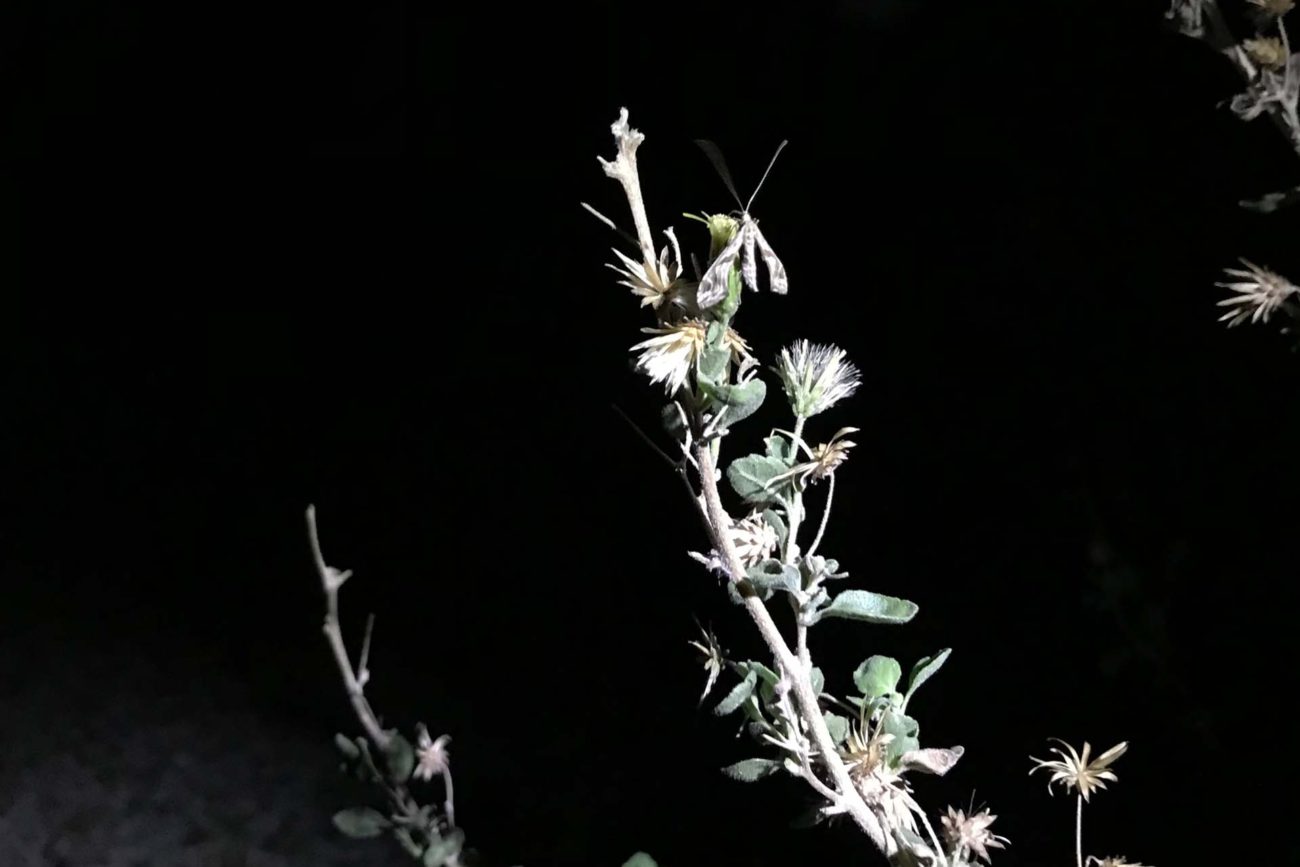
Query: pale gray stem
[1078,832]
[331,580]
[799,675]
[826,514]
[449,804]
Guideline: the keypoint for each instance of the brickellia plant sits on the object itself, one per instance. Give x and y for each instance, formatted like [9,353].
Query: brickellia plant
[1271,72]
[857,750]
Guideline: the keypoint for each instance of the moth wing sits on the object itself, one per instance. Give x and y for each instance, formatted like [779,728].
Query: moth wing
[748,266]
[775,270]
[713,285]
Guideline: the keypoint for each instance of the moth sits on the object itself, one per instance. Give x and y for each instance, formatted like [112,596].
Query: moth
[743,245]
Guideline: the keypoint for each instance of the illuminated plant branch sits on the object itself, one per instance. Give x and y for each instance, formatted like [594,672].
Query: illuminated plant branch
[856,762]
[1271,70]
[384,757]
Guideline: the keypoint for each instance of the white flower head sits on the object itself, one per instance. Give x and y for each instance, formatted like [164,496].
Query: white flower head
[816,377]
[671,355]
[754,538]
[1259,293]
[433,757]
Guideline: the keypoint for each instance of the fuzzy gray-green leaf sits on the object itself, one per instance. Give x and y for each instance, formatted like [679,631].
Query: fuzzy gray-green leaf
[773,575]
[741,400]
[400,757]
[738,694]
[905,731]
[749,770]
[361,822]
[925,669]
[749,477]
[350,751]
[877,675]
[640,859]
[838,727]
[870,607]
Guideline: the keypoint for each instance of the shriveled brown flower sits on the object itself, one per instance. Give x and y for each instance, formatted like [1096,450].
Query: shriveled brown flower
[1112,861]
[1259,293]
[971,834]
[1076,771]
[1268,51]
[822,461]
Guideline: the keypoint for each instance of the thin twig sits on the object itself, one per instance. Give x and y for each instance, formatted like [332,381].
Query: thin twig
[331,580]
[645,437]
[826,514]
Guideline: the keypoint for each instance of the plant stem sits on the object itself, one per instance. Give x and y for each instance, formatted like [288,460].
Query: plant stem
[1078,832]
[799,675]
[826,514]
[796,504]
[331,581]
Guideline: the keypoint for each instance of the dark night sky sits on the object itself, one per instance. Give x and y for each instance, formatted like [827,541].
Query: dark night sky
[260,259]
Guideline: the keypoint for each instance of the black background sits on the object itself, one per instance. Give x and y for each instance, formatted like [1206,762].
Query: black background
[264,257]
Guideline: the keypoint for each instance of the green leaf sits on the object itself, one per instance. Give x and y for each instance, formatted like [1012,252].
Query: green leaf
[742,400]
[712,369]
[400,757]
[366,769]
[925,669]
[772,575]
[905,731]
[870,607]
[838,726]
[778,447]
[878,675]
[640,859]
[767,679]
[361,822]
[749,476]
[350,751]
[753,711]
[738,694]
[443,850]
[818,680]
[750,770]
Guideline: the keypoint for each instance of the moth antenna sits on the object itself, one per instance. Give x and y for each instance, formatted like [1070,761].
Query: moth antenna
[632,242]
[714,153]
[779,148]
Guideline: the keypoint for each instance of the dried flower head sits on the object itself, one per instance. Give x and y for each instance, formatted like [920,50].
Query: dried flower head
[712,658]
[1112,861]
[822,461]
[1268,51]
[432,756]
[864,749]
[754,538]
[971,834]
[816,377]
[1076,771]
[654,282]
[1260,292]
